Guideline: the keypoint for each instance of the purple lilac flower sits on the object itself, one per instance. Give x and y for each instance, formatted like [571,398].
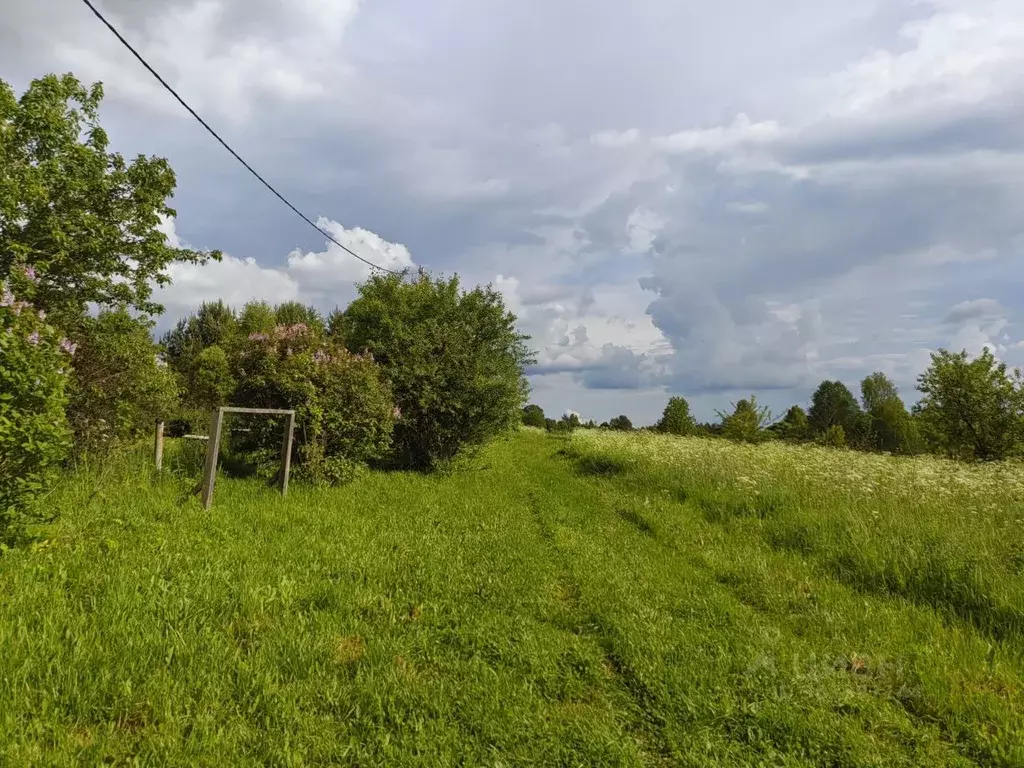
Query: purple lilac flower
[397,413]
[42,314]
[7,298]
[257,337]
[33,338]
[30,273]
[68,346]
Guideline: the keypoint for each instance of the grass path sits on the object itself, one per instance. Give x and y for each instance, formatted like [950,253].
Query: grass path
[527,613]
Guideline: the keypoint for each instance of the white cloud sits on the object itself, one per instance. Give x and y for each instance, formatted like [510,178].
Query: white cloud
[741,132]
[613,139]
[326,279]
[642,227]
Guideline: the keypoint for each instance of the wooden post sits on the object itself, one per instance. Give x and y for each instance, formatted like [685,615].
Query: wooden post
[158,449]
[286,452]
[212,452]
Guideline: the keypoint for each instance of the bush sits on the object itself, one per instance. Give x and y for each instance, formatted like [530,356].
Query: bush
[119,388]
[833,437]
[344,410]
[454,360]
[34,436]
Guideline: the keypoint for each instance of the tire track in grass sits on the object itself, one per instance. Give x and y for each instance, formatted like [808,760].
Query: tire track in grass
[646,724]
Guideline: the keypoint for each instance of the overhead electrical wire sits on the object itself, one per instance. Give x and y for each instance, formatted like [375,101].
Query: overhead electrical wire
[226,146]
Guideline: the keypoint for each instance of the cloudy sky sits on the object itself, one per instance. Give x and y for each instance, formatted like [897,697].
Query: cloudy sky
[708,199]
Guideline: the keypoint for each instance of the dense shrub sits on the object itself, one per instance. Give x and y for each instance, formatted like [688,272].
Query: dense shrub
[119,388]
[833,437]
[344,410]
[454,359]
[34,436]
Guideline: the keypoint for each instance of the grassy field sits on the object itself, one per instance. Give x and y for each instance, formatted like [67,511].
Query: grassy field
[602,600]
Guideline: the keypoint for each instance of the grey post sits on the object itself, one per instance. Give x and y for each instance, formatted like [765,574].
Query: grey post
[286,452]
[158,449]
[212,452]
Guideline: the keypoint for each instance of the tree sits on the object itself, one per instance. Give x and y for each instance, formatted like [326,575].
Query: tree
[834,405]
[533,416]
[890,427]
[454,359]
[621,424]
[256,317]
[972,408]
[81,217]
[211,383]
[794,425]
[213,324]
[296,313]
[118,386]
[676,418]
[747,421]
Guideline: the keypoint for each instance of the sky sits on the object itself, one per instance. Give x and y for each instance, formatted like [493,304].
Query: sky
[698,199]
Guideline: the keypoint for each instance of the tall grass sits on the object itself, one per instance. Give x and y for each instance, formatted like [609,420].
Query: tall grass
[937,532]
[540,610]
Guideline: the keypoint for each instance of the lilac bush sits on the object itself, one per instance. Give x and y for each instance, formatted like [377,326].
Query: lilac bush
[34,435]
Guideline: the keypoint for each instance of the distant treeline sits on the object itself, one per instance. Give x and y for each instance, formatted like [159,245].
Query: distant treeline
[969,409]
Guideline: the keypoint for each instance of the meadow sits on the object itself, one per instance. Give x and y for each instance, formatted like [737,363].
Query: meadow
[600,599]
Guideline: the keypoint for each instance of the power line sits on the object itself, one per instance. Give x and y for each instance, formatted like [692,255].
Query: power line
[224,144]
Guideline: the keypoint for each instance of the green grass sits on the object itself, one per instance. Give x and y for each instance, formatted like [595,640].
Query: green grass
[607,600]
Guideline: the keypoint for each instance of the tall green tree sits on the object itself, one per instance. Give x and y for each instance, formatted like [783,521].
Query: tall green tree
[794,425]
[297,313]
[676,419]
[118,385]
[890,427]
[454,359]
[833,405]
[256,317]
[80,217]
[972,408]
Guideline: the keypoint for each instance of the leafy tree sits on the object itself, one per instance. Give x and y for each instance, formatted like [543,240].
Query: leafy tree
[296,313]
[972,408]
[834,405]
[256,317]
[454,359]
[794,425]
[212,383]
[533,416]
[34,435]
[890,426]
[81,217]
[621,424]
[747,422]
[213,324]
[336,326]
[118,386]
[677,419]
